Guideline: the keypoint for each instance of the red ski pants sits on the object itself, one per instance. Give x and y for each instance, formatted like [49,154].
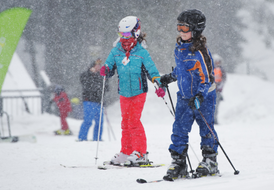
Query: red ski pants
[133,133]
[64,124]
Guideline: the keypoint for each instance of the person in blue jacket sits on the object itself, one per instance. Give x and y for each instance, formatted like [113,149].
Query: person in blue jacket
[194,73]
[134,65]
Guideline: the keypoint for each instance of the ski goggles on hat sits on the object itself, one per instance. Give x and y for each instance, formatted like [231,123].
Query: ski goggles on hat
[125,35]
[183,27]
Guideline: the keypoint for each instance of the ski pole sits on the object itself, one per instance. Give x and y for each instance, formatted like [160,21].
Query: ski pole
[236,171]
[170,98]
[157,87]
[191,170]
[100,123]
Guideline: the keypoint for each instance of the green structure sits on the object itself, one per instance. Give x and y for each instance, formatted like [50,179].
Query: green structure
[12,24]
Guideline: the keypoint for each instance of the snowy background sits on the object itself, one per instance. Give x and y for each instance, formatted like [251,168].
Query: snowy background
[245,132]
[258,46]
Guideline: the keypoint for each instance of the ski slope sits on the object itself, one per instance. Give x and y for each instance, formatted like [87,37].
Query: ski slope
[245,132]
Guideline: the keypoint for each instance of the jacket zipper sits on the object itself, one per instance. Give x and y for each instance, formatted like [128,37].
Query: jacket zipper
[191,87]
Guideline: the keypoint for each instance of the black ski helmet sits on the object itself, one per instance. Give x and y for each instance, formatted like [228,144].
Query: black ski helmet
[196,19]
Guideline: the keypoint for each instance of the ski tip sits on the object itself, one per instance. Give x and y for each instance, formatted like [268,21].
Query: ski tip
[141,180]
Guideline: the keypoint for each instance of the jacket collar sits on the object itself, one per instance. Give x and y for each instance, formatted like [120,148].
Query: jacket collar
[137,47]
[183,45]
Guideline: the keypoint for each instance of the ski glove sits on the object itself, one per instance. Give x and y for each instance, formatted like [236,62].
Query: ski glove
[104,71]
[160,92]
[166,79]
[195,102]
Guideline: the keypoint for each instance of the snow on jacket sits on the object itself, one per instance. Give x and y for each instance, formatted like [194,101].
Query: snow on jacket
[132,76]
[194,72]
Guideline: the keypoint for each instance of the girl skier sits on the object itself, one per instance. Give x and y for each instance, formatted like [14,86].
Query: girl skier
[195,74]
[134,65]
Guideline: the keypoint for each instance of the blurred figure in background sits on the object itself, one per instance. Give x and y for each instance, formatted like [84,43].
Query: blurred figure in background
[92,83]
[220,78]
[63,104]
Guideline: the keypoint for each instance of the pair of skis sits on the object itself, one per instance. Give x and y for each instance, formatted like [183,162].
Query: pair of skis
[194,176]
[108,165]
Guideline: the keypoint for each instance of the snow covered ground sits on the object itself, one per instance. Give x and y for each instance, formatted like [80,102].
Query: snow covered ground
[245,132]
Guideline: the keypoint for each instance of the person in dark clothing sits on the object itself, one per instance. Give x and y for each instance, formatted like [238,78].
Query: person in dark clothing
[92,83]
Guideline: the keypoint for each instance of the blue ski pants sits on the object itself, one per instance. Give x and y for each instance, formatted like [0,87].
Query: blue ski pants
[91,112]
[184,118]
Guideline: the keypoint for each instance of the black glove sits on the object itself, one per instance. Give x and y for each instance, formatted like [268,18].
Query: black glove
[195,102]
[166,79]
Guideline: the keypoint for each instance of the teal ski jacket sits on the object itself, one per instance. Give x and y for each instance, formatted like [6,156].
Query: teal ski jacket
[132,77]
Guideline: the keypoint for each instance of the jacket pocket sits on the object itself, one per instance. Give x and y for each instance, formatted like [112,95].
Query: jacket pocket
[136,83]
[140,83]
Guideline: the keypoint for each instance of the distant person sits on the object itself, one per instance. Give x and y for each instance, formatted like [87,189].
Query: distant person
[63,104]
[196,97]
[92,84]
[220,78]
[134,65]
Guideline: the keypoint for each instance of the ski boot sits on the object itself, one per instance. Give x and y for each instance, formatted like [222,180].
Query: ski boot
[67,132]
[209,165]
[136,159]
[63,132]
[178,167]
[118,158]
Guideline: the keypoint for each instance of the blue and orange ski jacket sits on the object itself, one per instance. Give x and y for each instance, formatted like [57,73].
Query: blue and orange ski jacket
[194,72]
